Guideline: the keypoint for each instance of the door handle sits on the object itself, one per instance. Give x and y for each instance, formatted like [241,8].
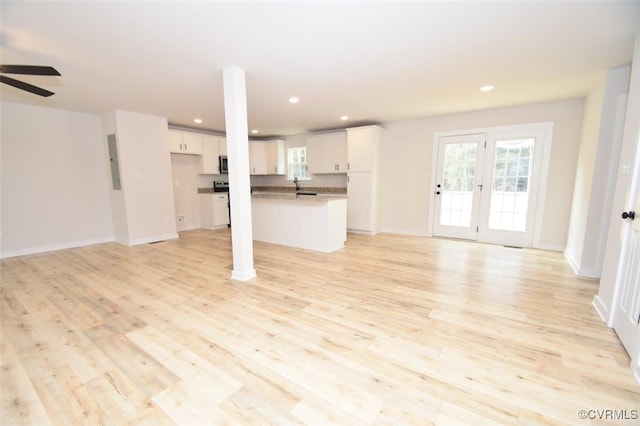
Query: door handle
[629,215]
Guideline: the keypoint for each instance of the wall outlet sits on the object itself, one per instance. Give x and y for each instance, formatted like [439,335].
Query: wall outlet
[180,218]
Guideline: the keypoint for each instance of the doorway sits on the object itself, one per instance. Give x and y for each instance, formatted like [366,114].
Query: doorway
[489,184]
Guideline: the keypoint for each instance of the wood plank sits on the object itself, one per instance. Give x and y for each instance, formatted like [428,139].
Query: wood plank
[392,329]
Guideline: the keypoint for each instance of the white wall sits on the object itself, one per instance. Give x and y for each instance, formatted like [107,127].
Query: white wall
[186,182]
[118,207]
[606,298]
[55,189]
[145,172]
[408,149]
[595,173]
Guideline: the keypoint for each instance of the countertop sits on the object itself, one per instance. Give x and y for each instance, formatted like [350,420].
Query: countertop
[293,196]
[289,193]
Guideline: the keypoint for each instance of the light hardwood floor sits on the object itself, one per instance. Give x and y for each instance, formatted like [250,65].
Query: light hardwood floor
[389,330]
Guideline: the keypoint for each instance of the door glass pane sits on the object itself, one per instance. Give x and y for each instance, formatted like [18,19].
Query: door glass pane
[457,183]
[510,184]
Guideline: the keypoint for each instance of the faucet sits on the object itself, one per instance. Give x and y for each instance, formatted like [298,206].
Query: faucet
[295,180]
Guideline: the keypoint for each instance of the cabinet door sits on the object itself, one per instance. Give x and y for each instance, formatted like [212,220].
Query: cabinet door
[257,158]
[359,205]
[315,154]
[176,141]
[360,150]
[274,151]
[336,152]
[220,210]
[206,210]
[192,143]
[208,161]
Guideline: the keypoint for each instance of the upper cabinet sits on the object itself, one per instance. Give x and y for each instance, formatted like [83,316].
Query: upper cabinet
[327,153]
[185,142]
[212,148]
[364,148]
[267,157]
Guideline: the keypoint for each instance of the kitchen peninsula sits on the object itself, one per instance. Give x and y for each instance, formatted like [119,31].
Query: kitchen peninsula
[312,222]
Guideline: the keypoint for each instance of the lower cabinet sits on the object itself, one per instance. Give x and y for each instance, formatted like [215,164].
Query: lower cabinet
[362,206]
[214,210]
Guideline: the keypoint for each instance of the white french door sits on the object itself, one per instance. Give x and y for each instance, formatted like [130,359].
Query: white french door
[487,185]
[459,172]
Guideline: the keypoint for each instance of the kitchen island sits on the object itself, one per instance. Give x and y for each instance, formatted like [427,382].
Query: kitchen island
[312,222]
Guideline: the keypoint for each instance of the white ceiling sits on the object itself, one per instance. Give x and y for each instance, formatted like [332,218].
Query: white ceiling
[373,61]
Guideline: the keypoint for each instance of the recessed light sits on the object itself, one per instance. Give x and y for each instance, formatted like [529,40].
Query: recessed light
[486,88]
[344,118]
[293,100]
[197,120]
[254,131]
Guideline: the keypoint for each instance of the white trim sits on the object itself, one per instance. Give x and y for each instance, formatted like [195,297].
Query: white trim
[54,247]
[580,272]
[602,310]
[243,275]
[411,232]
[550,247]
[152,239]
[189,227]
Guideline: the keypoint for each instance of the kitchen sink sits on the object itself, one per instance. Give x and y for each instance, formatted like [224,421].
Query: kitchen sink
[305,193]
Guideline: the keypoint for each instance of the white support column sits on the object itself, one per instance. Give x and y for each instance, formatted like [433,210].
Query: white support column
[235,107]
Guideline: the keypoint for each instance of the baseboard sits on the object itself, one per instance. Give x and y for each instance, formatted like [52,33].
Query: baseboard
[601,309]
[550,247]
[54,247]
[152,239]
[357,231]
[243,275]
[405,232]
[188,227]
[579,271]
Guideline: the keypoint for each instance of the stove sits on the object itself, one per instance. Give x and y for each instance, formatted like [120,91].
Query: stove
[220,186]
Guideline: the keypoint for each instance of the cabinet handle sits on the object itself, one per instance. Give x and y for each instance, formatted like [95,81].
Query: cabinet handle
[185,147]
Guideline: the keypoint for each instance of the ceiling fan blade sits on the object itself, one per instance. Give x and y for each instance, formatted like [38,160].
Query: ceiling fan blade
[25,86]
[28,69]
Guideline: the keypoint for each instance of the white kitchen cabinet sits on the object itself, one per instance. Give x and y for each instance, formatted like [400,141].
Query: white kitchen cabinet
[327,153]
[208,161]
[267,157]
[364,146]
[181,142]
[214,210]
[257,158]
[361,204]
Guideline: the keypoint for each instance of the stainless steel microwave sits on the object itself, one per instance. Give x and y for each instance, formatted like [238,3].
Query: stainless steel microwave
[223,165]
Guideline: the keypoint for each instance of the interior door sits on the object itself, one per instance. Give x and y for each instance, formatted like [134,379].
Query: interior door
[627,311]
[458,185]
[510,187]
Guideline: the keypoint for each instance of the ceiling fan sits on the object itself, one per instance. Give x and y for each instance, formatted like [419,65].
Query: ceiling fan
[27,70]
